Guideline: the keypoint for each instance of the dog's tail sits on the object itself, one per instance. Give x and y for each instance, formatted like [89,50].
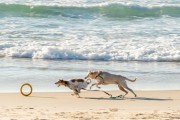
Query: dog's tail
[131,80]
[88,81]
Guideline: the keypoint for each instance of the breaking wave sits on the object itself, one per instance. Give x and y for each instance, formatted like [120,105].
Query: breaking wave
[113,10]
[140,54]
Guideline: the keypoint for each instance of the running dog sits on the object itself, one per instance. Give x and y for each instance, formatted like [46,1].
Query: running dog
[104,78]
[75,84]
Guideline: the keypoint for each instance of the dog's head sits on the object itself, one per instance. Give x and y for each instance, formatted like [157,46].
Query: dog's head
[60,82]
[92,74]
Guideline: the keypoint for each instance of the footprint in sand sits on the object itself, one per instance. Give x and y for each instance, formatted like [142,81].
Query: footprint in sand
[139,114]
[113,109]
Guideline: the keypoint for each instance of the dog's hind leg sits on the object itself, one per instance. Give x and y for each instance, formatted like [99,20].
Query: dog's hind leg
[124,85]
[121,88]
[130,90]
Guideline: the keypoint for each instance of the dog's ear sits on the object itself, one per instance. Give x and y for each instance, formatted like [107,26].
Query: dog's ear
[60,80]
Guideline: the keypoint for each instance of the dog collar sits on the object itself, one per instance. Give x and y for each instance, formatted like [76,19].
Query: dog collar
[99,75]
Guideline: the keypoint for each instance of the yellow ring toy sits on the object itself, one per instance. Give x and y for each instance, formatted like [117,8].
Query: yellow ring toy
[26,84]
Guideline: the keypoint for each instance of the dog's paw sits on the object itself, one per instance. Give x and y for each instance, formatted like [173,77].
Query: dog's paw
[120,96]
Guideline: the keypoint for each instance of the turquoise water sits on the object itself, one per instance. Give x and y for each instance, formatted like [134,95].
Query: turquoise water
[42,41]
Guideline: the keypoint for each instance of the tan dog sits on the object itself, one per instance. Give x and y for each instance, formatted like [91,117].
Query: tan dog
[105,78]
[75,84]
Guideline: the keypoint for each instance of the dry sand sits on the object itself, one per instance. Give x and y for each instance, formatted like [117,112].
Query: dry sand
[150,105]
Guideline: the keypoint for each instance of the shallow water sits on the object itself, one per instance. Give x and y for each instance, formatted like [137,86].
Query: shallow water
[42,74]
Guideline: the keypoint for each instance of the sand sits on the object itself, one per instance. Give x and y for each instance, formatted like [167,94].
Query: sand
[149,105]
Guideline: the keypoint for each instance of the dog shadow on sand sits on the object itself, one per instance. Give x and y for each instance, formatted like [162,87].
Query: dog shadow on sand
[151,99]
[132,99]
[42,97]
[101,98]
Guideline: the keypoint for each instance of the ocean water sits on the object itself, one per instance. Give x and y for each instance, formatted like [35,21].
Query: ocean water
[42,41]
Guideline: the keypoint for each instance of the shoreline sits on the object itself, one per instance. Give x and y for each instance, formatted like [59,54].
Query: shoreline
[93,105]
[70,91]
[151,76]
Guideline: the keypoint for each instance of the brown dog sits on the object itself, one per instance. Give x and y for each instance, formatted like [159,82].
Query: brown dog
[105,78]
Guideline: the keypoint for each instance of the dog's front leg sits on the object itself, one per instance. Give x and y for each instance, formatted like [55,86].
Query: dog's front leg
[92,85]
[96,85]
[77,91]
[99,83]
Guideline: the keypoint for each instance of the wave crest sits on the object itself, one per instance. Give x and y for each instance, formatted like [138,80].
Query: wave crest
[141,54]
[114,10]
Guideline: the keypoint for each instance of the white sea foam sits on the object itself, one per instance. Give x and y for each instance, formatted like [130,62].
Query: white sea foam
[150,52]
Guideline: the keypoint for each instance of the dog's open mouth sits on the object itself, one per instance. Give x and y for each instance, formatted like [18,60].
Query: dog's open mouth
[57,84]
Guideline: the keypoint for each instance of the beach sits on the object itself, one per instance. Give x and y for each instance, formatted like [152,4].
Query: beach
[149,105]
[42,41]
